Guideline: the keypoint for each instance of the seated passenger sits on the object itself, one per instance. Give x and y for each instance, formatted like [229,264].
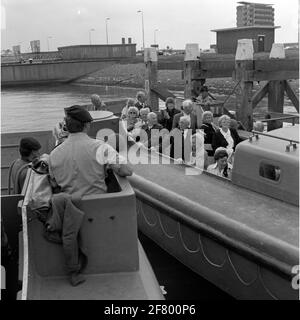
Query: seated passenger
[258,126]
[151,128]
[132,118]
[130,103]
[187,111]
[225,137]
[29,150]
[181,136]
[97,104]
[209,130]
[78,165]
[60,132]
[167,113]
[141,101]
[144,116]
[198,156]
[221,167]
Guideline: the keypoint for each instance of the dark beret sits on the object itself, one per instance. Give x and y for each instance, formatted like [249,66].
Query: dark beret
[30,144]
[79,113]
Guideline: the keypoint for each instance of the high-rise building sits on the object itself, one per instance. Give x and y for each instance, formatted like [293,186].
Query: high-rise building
[254,14]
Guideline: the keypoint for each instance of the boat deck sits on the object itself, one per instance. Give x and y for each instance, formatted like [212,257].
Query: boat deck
[137,285]
[267,215]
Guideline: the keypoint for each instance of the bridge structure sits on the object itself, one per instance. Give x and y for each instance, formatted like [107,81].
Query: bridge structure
[274,70]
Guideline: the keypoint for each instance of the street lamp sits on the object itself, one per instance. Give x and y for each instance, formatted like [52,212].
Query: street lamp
[90,35]
[106,29]
[48,42]
[140,11]
[155,35]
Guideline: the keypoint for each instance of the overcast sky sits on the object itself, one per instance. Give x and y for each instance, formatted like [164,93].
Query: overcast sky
[178,21]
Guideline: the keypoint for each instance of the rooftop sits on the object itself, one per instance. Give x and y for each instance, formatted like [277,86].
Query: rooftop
[246,27]
[255,3]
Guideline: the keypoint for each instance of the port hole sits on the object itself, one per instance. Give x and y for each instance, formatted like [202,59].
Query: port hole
[269,171]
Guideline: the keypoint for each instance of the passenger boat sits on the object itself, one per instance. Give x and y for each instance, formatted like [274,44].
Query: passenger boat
[241,235]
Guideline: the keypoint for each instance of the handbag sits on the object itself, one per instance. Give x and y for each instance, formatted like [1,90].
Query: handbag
[39,188]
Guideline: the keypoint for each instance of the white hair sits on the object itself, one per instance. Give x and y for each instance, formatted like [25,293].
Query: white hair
[222,118]
[187,103]
[185,119]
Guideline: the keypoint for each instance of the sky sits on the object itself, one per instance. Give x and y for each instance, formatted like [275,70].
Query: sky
[177,22]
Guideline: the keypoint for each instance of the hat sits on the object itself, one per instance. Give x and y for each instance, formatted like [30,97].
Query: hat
[78,113]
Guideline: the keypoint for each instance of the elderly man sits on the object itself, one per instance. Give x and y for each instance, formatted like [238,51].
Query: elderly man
[187,107]
[97,104]
[152,124]
[78,167]
[78,164]
[180,140]
[258,126]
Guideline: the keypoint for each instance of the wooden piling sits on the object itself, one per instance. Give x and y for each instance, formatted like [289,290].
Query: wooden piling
[191,67]
[244,64]
[150,59]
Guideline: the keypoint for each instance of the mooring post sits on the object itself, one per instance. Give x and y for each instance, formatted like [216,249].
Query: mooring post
[244,64]
[150,59]
[191,65]
[276,87]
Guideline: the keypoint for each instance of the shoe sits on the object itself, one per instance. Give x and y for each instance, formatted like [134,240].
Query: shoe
[76,279]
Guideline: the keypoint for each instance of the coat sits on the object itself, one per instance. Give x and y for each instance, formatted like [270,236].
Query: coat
[63,226]
[218,139]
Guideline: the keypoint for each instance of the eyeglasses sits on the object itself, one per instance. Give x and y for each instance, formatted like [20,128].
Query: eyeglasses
[132,112]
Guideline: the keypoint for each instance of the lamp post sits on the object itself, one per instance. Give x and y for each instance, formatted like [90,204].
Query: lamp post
[106,29]
[155,35]
[140,11]
[90,34]
[48,42]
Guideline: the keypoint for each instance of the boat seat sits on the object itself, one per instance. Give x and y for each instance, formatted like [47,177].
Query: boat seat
[108,234]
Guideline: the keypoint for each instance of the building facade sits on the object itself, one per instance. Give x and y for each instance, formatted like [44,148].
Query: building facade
[227,39]
[254,14]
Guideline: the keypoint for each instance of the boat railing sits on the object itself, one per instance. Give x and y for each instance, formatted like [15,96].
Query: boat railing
[287,117]
[292,145]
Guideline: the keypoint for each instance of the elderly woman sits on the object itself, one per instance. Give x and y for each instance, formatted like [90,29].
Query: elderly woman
[198,156]
[130,103]
[209,130]
[132,118]
[167,113]
[221,167]
[97,104]
[141,100]
[225,137]
[143,116]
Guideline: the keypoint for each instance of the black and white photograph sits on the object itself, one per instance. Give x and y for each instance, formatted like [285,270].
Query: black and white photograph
[150,153]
